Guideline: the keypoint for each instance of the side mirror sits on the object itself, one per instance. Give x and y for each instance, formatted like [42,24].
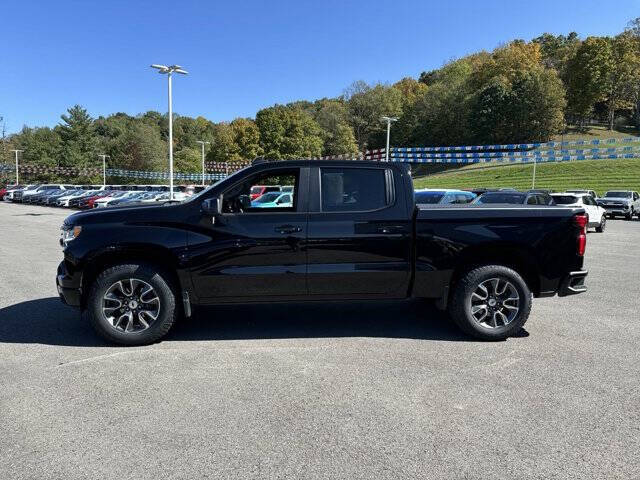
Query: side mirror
[245,200]
[211,206]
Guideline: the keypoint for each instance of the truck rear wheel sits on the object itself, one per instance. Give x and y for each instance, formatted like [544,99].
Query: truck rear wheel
[132,304]
[491,302]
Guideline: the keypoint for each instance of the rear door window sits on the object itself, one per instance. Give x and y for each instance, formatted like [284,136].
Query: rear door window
[353,189]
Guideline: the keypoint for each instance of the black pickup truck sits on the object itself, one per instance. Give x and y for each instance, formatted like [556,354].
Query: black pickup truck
[338,230]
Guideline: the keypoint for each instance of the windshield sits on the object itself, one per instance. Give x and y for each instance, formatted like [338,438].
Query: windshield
[202,192]
[428,197]
[618,194]
[501,198]
[565,199]
[268,197]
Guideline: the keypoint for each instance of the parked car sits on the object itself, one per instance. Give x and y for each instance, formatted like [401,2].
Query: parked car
[596,215]
[37,197]
[624,203]
[258,190]
[24,195]
[589,192]
[88,202]
[6,188]
[79,201]
[273,200]
[126,199]
[67,200]
[106,201]
[515,197]
[443,197]
[53,198]
[354,231]
[6,193]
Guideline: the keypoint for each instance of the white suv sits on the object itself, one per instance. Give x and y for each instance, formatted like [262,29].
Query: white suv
[596,215]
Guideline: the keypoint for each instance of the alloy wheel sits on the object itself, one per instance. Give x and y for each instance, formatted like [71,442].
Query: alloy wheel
[131,305]
[495,303]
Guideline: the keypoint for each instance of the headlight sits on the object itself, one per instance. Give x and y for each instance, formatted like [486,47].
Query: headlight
[68,233]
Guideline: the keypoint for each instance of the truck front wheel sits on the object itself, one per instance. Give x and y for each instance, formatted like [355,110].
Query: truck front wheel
[491,302]
[131,304]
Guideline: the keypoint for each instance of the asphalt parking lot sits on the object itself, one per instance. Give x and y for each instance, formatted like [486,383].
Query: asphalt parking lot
[351,390]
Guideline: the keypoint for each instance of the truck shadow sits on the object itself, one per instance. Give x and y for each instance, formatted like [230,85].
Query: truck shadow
[48,321]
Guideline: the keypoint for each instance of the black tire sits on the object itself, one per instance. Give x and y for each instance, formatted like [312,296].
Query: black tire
[460,305]
[603,224]
[162,287]
[629,216]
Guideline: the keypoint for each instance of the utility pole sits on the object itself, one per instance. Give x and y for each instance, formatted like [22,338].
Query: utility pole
[169,70]
[203,143]
[388,120]
[104,169]
[16,152]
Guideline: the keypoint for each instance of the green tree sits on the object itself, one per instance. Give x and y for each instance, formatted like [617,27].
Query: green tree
[366,106]
[223,147]
[624,75]
[140,147]
[188,160]
[332,116]
[246,137]
[588,76]
[556,50]
[287,133]
[78,138]
[530,108]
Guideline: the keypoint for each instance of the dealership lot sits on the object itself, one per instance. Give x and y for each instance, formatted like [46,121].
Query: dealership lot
[345,390]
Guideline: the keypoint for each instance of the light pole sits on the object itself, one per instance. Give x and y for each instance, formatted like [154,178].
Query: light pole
[203,143]
[16,152]
[533,182]
[169,70]
[104,169]
[388,120]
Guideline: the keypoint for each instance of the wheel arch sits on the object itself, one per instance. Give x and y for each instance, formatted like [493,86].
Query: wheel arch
[517,258]
[156,255]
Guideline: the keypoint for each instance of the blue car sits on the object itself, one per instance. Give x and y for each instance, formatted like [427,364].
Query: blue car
[443,197]
[273,200]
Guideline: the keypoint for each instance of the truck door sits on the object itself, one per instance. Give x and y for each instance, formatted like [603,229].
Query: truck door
[360,232]
[254,248]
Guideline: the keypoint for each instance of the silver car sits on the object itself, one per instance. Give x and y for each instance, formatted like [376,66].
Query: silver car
[623,203]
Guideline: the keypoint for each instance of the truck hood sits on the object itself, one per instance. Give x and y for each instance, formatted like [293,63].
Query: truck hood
[132,213]
[615,199]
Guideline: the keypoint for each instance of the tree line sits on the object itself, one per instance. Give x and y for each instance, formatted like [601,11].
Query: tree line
[520,92]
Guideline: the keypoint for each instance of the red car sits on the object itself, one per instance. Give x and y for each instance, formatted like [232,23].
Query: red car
[3,190]
[89,201]
[259,190]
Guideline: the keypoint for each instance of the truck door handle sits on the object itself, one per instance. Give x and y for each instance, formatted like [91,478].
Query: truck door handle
[288,229]
[390,229]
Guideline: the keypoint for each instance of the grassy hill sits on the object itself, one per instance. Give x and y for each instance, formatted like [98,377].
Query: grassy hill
[598,175]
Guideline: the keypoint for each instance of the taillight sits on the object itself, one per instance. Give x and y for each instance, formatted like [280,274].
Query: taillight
[581,221]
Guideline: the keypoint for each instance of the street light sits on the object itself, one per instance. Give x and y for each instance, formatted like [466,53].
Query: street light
[388,120]
[170,70]
[16,152]
[203,143]
[104,169]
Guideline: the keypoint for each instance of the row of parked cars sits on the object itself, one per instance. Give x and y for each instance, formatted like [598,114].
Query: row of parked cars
[91,196]
[625,203]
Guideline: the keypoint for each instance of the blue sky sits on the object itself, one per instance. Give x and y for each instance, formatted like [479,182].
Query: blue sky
[245,55]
